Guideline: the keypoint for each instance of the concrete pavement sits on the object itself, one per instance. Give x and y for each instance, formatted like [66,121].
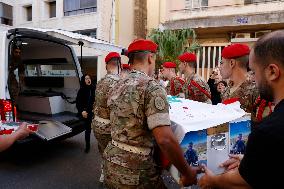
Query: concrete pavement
[61,165]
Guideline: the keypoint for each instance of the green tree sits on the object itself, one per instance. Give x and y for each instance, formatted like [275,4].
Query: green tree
[172,43]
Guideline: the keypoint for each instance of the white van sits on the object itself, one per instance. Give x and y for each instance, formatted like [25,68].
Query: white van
[48,81]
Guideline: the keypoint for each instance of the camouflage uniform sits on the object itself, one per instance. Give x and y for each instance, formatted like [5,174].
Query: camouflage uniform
[100,123]
[195,88]
[138,104]
[263,109]
[250,101]
[174,87]
[246,94]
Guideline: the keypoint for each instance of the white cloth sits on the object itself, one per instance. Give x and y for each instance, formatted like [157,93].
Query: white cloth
[187,115]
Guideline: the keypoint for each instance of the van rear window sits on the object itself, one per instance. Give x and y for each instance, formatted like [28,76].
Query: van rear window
[48,82]
[54,67]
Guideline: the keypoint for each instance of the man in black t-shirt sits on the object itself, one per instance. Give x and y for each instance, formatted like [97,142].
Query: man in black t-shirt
[261,163]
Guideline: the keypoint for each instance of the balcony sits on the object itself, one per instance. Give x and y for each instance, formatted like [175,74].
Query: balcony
[246,2]
[238,13]
[196,5]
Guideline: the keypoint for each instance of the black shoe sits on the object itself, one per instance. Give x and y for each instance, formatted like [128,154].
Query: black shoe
[87,149]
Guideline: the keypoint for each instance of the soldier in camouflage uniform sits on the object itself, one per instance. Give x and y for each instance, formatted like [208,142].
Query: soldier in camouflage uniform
[101,121]
[139,116]
[195,88]
[175,84]
[234,67]
[246,93]
[263,107]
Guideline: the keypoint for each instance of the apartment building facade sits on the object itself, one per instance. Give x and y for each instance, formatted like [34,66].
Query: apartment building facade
[115,21]
[219,23]
[88,17]
[131,18]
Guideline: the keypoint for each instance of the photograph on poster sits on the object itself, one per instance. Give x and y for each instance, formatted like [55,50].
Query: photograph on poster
[194,146]
[238,136]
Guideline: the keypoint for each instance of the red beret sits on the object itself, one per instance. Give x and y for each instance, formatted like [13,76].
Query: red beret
[111,55]
[125,67]
[235,51]
[169,65]
[187,57]
[142,45]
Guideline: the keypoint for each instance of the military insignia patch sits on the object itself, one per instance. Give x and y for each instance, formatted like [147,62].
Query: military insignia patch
[160,103]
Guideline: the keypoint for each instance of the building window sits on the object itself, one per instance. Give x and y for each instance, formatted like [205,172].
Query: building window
[74,7]
[29,12]
[6,14]
[195,4]
[89,32]
[52,9]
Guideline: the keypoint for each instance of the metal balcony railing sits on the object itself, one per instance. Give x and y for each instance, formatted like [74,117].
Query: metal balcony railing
[80,11]
[246,2]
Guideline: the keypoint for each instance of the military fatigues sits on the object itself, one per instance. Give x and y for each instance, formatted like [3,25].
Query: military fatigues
[174,87]
[195,88]
[250,101]
[138,104]
[263,108]
[101,122]
[246,94]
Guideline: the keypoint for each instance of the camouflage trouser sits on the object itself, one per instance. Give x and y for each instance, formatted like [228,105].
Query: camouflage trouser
[118,177]
[103,140]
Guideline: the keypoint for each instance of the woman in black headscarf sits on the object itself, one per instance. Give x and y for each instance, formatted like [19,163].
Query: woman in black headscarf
[84,103]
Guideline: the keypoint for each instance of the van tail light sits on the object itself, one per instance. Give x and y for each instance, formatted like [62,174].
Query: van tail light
[6,110]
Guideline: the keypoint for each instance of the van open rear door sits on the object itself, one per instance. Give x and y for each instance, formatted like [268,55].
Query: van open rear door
[3,59]
[50,129]
[68,38]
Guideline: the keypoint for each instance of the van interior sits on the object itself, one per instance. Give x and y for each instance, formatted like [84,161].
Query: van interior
[48,85]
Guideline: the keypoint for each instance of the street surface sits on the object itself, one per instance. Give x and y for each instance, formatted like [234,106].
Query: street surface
[62,165]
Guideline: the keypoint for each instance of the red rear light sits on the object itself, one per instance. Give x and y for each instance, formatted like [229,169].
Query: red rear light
[6,110]
[7,106]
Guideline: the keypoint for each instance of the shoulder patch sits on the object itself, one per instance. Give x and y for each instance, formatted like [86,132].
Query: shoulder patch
[160,103]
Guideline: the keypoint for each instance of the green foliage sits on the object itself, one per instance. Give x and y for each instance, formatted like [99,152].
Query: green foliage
[172,43]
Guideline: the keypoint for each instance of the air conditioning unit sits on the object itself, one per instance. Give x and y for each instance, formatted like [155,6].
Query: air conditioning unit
[242,35]
[261,33]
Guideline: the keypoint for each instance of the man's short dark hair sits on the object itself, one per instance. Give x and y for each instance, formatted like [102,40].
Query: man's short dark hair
[114,59]
[270,47]
[138,56]
[243,61]
[191,64]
